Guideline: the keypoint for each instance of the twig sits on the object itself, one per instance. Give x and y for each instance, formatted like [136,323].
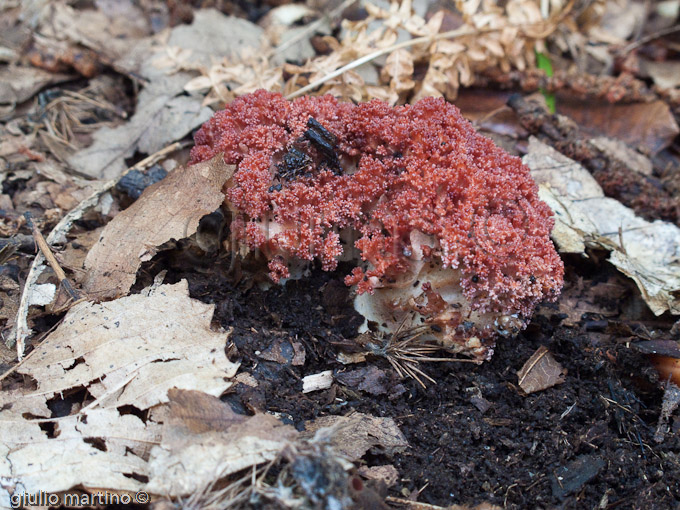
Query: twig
[58,234]
[656,35]
[51,260]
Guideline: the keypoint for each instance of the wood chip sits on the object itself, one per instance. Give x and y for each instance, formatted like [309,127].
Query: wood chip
[315,382]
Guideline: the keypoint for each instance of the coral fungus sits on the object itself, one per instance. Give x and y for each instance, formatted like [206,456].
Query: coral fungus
[449,228]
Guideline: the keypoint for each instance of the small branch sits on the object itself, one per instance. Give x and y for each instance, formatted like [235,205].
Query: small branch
[648,38]
[51,260]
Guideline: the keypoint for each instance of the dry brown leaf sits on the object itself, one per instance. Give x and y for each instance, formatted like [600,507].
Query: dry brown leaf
[131,351]
[169,209]
[387,473]
[354,435]
[649,127]
[196,449]
[199,412]
[645,251]
[540,372]
[398,71]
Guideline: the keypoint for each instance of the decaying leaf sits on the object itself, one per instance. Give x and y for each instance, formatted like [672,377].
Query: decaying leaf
[160,119]
[28,453]
[169,209]
[131,351]
[540,372]
[398,71]
[17,84]
[162,114]
[666,75]
[354,435]
[198,447]
[625,154]
[645,251]
[388,474]
[649,127]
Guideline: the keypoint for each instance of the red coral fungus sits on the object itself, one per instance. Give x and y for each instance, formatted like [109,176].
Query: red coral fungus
[434,207]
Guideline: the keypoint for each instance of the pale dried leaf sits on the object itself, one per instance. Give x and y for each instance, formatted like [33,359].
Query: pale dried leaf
[17,84]
[197,448]
[625,154]
[354,435]
[18,402]
[541,371]
[647,252]
[666,75]
[159,120]
[120,433]
[28,457]
[169,209]
[212,35]
[398,71]
[132,350]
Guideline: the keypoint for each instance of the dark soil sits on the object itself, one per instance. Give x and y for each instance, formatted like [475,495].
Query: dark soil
[474,437]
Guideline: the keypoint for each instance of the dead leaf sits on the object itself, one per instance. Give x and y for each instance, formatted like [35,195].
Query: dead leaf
[212,35]
[354,435]
[160,119]
[540,372]
[398,71]
[601,298]
[666,75]
[169,209]
[625,154]
[645,251]
[285,352]
[162,114]
[370,379]
[387,473]
[26,451]
[618,22]
[102,31]
[649,127]
[17,84]
[131,351]
[192,454]
[199,412]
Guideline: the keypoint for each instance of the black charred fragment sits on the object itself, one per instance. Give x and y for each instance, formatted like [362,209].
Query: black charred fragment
[325,142]
[296,162]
